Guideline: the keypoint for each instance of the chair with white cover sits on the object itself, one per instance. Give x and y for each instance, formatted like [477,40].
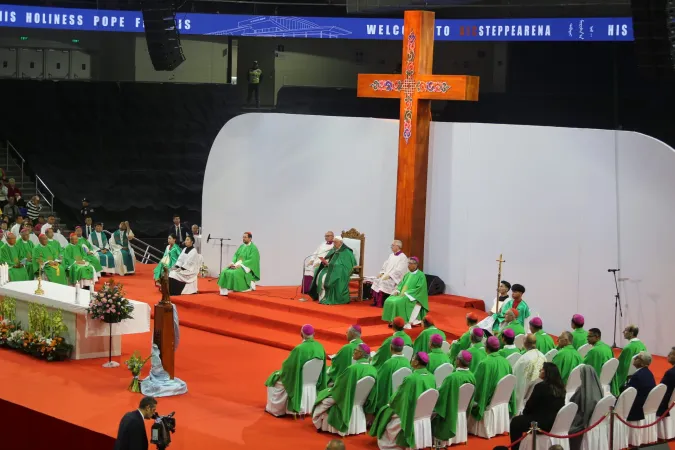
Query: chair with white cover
[573,382]
[561,427]
[397,378]
[519,341]
[607,373]
[551,354]
[632,369]
[643,436]
[461,435]
[666,428]
[311,372]
[442,372]
[496,416]
[622,408]
[513,358]
[445,347]
[598,437]
[407,352]
[357,423]
[422,424]
[583,350]
[357,242]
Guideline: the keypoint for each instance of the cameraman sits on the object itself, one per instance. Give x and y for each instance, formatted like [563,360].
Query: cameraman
[131,434]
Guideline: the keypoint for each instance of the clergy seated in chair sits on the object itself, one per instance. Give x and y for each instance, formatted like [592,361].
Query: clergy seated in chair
[384,353]
[334,405]
[511,322]
[464,341]
[53,243]
[383,384]
[343,358]
[314,261]
[444,424]
[599,353]
[633,347]
[287,383]
[330,285]
[477,348]
[183,275]
[48,259]
[422,341]
[578,333]
[392,272]
[516,301]
[171,254]
[506,340]
[244,271]
[567,358]
[78,269]
[492,369]
[10,254]
[527,368]
[410,299]
[125,259]
[394,423]
[544,342]
[26,247]
[436,354]
[101,247]
[91,257]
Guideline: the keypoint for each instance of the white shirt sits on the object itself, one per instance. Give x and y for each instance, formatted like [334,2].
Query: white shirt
[45,227]
[16,229]
[313,261]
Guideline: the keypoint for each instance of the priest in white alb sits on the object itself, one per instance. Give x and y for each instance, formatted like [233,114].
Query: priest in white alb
[314,260]
[526,370]
[392,272]
[183,276]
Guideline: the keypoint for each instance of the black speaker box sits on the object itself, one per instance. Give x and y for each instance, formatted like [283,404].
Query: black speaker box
[161,35]
[654,34]
[435,285]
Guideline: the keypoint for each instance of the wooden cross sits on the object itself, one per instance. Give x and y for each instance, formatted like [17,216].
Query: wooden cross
[415,87]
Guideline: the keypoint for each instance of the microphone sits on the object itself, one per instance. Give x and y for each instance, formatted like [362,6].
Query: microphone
[208,238]
[613,270]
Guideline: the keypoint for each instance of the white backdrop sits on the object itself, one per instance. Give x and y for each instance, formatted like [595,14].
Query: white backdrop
[563,206]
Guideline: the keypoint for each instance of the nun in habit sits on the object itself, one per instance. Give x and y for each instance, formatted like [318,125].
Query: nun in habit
[183,276]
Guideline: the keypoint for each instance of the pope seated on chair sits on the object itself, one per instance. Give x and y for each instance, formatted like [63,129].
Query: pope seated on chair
[47,258]
[286,385]
[244,271]
[410,300]
[331,279]
[78,269]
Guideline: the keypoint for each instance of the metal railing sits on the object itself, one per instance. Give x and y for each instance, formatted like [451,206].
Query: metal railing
[8,159]
[144,252]
[42,195]
[41,188]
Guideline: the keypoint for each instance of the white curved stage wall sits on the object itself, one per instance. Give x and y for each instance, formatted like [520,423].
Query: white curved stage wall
[563,206]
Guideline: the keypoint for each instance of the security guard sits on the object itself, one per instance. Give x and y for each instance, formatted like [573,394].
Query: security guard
[86,211]
[254,79]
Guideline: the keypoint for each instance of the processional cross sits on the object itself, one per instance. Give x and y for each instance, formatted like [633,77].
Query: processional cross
[415,87]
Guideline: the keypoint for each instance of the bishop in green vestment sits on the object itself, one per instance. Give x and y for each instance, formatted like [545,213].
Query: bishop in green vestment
[53,243]
[578,333]
[90,256]
[464,341]
[634,347]
[410,300]
[333,407]
[567,358]
[477,348]
[489,372]
[78,269]
[599,354]
[49,259]
[544,342]
[437,356]
[101,247]
[11,255]
[343,358]
[244,271]
[383,387]
[26,247]
[506,340]
[125,260]
[171,254]
[330,284]
[516,301]
[444,424]
[510,323]
[284,393]
[393,425]
[384,352]
[422,341]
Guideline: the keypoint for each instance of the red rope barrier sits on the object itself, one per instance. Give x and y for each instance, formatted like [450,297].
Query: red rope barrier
[659,419]
[570,436]
[516,442]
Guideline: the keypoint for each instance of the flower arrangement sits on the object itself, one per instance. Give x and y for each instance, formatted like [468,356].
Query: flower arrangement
[204,271]
[135,364]
[52,348]
[109,304]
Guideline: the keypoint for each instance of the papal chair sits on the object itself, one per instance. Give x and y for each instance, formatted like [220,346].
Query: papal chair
[357,242]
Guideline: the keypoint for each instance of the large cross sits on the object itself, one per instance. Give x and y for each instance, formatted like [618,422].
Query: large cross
[415,87]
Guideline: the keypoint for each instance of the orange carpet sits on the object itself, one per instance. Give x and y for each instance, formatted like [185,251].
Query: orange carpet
[223,408]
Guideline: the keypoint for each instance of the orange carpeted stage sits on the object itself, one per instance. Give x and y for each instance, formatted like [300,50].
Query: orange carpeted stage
[228,347]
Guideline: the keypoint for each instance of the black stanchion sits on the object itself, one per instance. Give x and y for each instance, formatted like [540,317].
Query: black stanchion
[533,425]
[611,427]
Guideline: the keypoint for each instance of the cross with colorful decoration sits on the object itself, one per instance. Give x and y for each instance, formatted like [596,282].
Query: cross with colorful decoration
[415,87]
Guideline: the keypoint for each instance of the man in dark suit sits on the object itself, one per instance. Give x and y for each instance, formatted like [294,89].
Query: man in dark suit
[643,382]
[131,434]
[180,230]
[669,380]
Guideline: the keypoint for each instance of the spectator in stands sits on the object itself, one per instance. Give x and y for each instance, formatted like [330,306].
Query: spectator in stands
[179,230]
[16,228]
[254,79]
[51,222]
[20,202]
[12,189]
[3,194]
[34,207]
[643,381]
[86,211]
[11,210]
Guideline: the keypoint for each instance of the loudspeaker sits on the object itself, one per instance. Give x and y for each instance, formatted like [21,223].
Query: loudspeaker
[435,285]
[161,34]
[654,34]
[662,446]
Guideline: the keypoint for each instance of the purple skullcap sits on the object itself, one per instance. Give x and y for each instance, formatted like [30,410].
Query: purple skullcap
[536,321]
[478,332]
[356,328]
[423,356]
[364,348]
[493,343]
[415,258]
[437,339]
[466,356]
[398,342]
[509,333]
[578,319]
[307,330]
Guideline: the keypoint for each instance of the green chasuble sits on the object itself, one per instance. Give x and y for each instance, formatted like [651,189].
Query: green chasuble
[290,374]
[508,351]
[383,383]
[444,425]
[238,279]
[403,404]
[522,308]
[634,347]
[121,242]
[384,352]
[515,326]
[478,354]
[494,368]
[412,289]
[580,337]
[26,252]
[567,359]
[11,255]
[342,360]
[335,283]
[343,393]
[422,341]
[76,272]
[44,253]
[598,355]
[171,254]
[105,259]
[462,343]
[54,244]
[91,259]
[437,357]
[544,342]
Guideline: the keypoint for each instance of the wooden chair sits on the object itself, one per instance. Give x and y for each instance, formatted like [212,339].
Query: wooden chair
[357,242]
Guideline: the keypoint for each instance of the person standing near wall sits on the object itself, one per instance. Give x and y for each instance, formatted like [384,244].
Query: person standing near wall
[254,79]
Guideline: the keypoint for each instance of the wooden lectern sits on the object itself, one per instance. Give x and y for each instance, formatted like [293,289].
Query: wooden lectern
[164,333]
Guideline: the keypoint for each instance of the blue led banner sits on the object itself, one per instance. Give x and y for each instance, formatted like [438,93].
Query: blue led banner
[556,29]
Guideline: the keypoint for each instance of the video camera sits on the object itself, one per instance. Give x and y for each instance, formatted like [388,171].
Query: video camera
[160,434]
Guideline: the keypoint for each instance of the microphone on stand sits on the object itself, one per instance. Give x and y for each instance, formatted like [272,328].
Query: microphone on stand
[208,238]
[613,270]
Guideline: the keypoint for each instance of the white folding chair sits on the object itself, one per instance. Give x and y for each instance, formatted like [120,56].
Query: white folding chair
[573,382]
[357,423]
[666,428]
[461,435]
[445,347]
[583,350]
[519,341]
[442,372]
[408,352]
[513,358]
[643,436]
[496,416]
[598,437]
[422,424]
[551,354]
[622,408]
[311,372]
[561,426]
[397,378]
[631,368]
[607,373]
